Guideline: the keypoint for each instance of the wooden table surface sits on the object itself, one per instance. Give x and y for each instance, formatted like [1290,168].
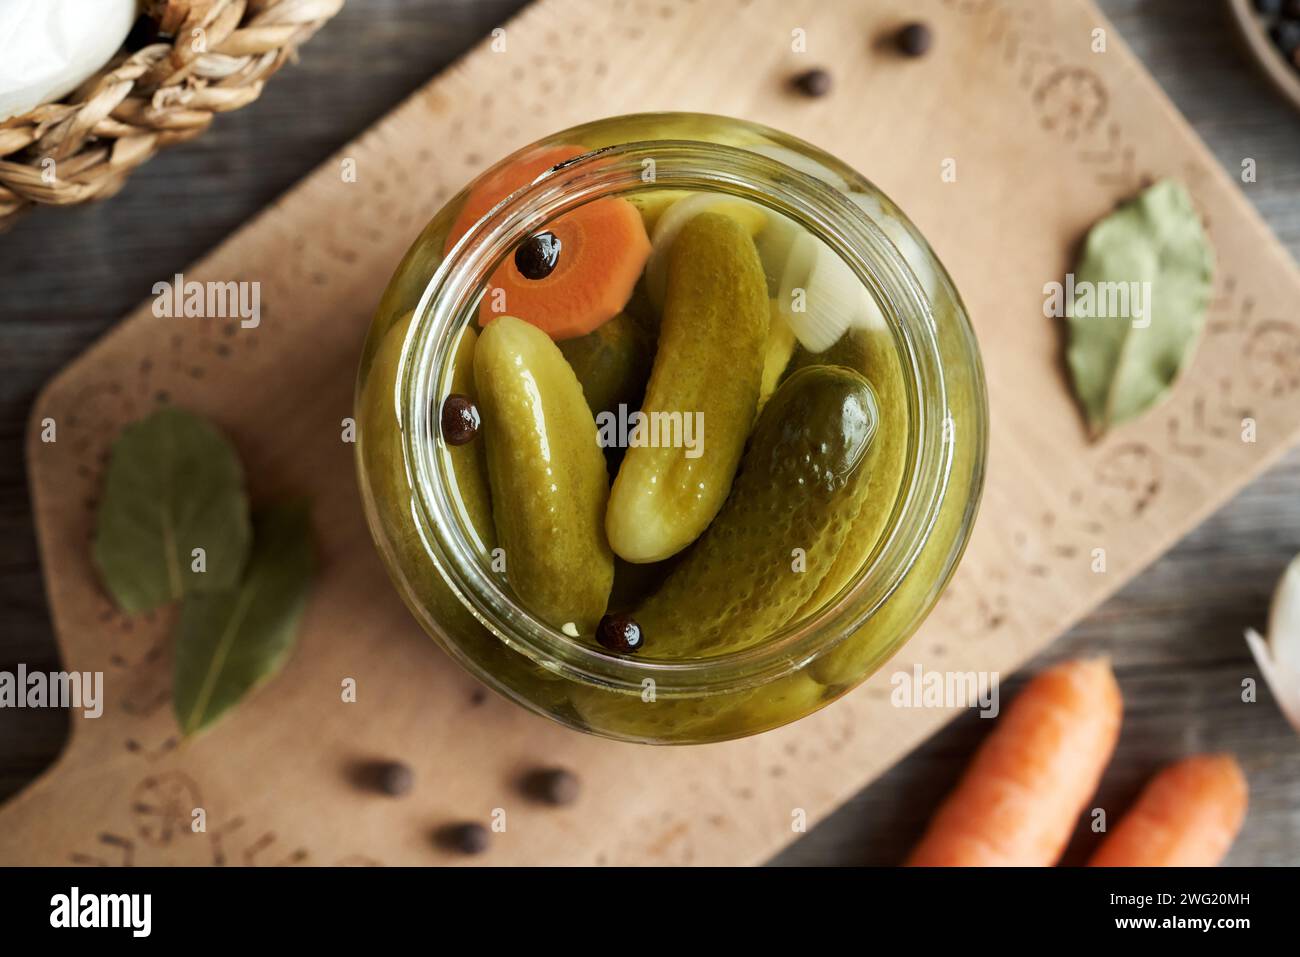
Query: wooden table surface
[1174,633]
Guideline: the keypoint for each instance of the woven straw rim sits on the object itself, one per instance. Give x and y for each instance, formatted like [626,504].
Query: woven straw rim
[217,59]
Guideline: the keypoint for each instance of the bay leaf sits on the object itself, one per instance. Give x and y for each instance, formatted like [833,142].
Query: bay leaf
[174,484]
[1123,364]
[230,642]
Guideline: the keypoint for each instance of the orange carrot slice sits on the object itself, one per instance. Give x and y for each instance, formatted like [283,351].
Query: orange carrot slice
[499,184]
[603,248]
[1018,802]
[1186,816]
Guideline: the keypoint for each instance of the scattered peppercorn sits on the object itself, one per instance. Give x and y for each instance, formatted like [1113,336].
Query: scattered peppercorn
[619,633]
[915,39]
[815,82]
[555,786]
[536,256]
[464,838]
[460,419]
[395,778]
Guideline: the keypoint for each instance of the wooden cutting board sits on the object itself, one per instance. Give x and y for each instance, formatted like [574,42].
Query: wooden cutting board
[1046,135]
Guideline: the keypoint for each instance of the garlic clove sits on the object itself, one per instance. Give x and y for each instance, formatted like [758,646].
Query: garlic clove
[48,48]
[1284,619]
[1281,680]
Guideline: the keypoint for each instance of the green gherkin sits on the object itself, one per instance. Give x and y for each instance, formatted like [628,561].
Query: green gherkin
[790,511]
[612,363]
[709,367]
[548,478]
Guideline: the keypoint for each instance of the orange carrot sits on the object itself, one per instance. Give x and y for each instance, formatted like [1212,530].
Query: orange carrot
[1186,816]
[499,184]
[603,248]
[1019,800]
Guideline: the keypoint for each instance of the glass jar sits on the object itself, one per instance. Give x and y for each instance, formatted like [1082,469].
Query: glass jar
[920,358]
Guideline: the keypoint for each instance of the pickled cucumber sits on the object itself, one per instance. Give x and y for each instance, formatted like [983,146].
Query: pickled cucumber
[379,432]
[469,461]
[698,719]
[548,479]
[675,218]
[892,623]
[379,448]
[652,203]
[643,311]
[787,518]
[612,363]
[873,354]
[708,368]
[776,355]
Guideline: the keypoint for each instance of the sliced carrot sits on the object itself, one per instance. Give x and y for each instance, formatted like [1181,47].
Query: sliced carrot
[500,183]
[1186,816]
[1020,798]
[603,248]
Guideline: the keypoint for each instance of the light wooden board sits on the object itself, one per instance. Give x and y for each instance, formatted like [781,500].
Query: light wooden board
[1046,134]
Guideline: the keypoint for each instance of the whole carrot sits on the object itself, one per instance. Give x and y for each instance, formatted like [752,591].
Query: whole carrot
[1186,816]
[1019,800]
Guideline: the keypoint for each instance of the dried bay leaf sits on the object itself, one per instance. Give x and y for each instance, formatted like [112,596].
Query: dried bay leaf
[174,484]
[230,642]
[1124,364]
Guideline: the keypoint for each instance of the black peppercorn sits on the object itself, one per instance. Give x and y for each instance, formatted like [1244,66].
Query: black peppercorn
[464,838]
[915,39]
[555,786]
[536,256]
[816,82]
[460,419]
[395,778]
[619,633]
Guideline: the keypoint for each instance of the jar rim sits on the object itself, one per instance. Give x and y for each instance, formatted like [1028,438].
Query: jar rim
[445,307]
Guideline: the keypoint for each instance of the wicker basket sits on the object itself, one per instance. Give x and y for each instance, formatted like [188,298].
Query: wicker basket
[201,57]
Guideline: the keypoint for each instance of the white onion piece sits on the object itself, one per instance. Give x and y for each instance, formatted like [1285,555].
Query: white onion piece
[48,48]
[775,243]
[903,241]
[833,300]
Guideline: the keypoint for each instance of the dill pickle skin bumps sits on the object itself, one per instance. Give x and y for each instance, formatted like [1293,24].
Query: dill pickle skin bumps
[799,488]
[547,474]
[709,367]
